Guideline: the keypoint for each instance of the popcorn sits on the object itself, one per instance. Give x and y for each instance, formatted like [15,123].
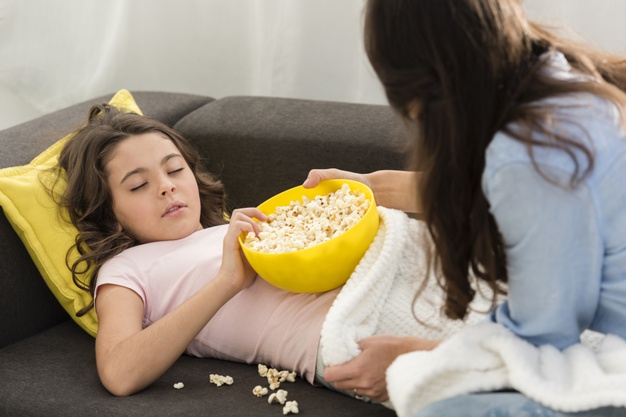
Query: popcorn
[262,370]
[259,391]
[220,380]
[273,378]
[274,385]
[301,225]
[179,385]
[287,376]
[291,407]
[279,396]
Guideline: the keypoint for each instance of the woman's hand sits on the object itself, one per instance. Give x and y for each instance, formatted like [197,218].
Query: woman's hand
[392,189]
[235,270]
[317,175]
[366,372]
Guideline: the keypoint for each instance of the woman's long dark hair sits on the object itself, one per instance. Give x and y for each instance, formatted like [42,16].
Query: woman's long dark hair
[87,197]
[471,67]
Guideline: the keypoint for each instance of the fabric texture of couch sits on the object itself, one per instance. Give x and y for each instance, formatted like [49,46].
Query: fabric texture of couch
[258,146]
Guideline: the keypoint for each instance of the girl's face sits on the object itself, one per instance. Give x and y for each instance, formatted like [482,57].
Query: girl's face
[155,194]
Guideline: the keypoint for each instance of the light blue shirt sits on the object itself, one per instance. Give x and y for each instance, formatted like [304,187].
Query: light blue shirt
[566,248]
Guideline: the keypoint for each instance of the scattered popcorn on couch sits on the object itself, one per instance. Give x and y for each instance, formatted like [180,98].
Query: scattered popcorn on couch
[308,223]
[287,376]
[220,380]
[274,378]
[179,385]
[279,397]
[259,391]
[291,407]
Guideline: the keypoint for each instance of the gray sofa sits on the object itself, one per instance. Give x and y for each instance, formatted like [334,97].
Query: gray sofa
[258,146]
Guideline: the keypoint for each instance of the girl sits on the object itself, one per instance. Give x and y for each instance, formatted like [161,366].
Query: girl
[165,268]
[519,160]
[168,275]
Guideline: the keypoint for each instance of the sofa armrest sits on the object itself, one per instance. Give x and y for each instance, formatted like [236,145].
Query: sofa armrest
[260,146]
[26,304]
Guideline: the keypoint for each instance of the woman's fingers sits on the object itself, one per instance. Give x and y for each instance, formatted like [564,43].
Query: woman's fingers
[318,175]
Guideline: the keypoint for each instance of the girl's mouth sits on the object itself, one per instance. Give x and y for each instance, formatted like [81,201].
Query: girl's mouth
[173,208]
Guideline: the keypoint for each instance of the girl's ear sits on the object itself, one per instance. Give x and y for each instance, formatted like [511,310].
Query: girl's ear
[119,227]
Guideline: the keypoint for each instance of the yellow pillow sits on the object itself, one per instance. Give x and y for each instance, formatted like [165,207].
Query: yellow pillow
[35,218]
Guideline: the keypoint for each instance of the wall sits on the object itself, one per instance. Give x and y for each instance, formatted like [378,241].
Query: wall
[57,53]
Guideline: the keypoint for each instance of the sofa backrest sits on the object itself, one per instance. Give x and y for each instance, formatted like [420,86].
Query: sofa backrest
[260,146]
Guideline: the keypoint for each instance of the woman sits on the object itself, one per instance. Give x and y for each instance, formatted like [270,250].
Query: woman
[519,158]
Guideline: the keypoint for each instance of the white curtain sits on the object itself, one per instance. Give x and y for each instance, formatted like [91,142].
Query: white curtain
[57,53]
[599,22]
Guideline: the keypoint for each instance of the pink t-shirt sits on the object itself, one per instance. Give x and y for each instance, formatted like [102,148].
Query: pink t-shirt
[262,324]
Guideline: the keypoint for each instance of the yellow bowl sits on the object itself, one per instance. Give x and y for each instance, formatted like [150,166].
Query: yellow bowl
[322,267]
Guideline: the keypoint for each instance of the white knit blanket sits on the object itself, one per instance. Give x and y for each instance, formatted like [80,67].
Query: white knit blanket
[378,297]
[487,357]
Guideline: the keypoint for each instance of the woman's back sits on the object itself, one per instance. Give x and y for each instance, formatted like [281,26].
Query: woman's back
[566,248]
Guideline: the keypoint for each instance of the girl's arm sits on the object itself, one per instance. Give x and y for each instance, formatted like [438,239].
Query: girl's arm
[129,358]
[392,189]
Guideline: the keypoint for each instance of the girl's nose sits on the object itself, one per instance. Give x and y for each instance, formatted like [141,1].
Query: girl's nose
[168,188]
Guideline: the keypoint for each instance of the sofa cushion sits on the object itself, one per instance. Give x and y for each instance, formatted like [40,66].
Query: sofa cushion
[54,374]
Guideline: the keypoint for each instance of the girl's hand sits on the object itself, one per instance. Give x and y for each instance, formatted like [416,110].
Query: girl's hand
[317,175]
[235,270]
[367,371]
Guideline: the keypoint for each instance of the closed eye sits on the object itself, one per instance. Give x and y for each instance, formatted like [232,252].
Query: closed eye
[138,187]
[175,171]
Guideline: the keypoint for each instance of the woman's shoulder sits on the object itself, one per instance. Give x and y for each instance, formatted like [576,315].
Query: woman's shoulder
[581,119]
